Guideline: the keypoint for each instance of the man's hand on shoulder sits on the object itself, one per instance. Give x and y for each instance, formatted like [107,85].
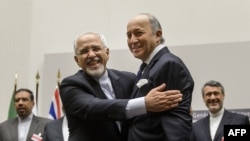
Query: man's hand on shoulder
[158,100]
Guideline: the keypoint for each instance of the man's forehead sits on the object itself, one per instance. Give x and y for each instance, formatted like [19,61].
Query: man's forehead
[22,94]
[138,26]
[88,39]
[212,88]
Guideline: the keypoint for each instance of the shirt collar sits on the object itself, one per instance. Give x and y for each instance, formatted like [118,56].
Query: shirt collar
[104,76]
[153,53]
[29,118]
[218,114]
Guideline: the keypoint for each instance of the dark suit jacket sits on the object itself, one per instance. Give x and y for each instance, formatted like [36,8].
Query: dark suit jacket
[53,131]
[172,125]
[91,117]
[9,128]
[201,128]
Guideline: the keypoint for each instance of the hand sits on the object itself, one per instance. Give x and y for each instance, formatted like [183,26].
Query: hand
[158,100]
[222,139]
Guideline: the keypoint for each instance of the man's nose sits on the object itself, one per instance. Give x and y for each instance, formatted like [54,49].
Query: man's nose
[91,53]
[20,102]
[133,39]
[212,96]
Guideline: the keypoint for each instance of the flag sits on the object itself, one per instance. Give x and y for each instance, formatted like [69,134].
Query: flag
[55,110]
[12,110]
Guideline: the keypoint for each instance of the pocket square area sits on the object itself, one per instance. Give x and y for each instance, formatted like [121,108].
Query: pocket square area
[141,82]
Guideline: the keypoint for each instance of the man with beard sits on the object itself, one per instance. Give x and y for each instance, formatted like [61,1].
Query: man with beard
[211,127]
[96,99]
[26,125]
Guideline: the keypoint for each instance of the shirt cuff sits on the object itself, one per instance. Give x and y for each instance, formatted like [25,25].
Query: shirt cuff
[135,107]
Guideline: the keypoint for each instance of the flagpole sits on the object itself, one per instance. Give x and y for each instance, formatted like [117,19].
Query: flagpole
[12,111]
[58,77]
[37,86]
[15,83]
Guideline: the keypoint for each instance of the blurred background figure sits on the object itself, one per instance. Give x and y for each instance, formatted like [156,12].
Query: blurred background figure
[57,130]
[26,126]
[211,127]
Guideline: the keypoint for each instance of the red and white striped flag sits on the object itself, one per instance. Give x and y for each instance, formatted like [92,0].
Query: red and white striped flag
[55,111]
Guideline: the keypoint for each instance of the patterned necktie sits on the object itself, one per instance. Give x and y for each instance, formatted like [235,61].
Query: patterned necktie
[139,74]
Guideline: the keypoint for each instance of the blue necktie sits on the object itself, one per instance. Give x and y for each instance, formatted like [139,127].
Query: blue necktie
[139,74]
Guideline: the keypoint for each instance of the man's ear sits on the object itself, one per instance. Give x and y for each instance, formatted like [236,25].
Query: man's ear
[159,33]
[107,51]
[76,60]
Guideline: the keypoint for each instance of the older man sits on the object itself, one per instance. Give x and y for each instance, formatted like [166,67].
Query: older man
[96,98]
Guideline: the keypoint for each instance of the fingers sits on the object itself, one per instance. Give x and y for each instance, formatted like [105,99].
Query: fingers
[162,101]
[174,98]
[171,92]
[159,88]
[158,100]
[163,107]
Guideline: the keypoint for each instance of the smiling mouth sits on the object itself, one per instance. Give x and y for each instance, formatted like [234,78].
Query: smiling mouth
[136,50]
[93,63]
[214,103]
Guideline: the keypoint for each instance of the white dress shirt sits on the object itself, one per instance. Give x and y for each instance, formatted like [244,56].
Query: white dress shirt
[215,120]
[23,127]
[65,129]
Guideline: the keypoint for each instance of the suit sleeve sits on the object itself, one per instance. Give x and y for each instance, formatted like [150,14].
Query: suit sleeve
[177,121]
[80,100]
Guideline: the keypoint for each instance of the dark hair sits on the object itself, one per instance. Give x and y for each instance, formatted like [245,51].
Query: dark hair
[213,83]
[155,24]
[26,90]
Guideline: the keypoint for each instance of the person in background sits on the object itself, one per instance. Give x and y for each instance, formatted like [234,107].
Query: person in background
[211,127]
[26,126]
[57,130]
[96,99]
[145,41]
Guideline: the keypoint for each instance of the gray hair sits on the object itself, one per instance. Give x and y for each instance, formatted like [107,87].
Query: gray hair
[102,38]
[213,83]
[155,24]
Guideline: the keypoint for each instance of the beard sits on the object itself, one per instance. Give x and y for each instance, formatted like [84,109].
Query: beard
[96,73]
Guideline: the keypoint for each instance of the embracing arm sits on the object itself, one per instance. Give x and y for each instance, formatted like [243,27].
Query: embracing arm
[157,100]
[79,99]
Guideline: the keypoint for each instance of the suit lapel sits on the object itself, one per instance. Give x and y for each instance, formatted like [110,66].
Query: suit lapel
[33,128]
[206,128]
[14,129]
[153,61]
[147,69]
[59,128]
[93,85]
[225,119]
[116,84]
